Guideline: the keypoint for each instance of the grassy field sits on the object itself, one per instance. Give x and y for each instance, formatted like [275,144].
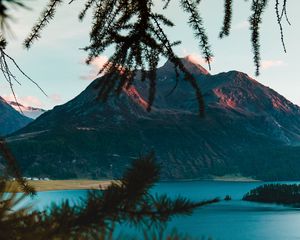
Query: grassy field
[75,184]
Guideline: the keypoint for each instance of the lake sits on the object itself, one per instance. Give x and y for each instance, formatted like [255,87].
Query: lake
[232,220]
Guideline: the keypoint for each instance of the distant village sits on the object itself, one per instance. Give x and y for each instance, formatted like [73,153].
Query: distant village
[33,179]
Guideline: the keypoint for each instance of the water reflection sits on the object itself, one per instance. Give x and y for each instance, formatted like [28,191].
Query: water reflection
[232,220]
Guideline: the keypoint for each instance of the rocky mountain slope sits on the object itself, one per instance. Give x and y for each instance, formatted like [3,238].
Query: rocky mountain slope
[249,129]
[10,119]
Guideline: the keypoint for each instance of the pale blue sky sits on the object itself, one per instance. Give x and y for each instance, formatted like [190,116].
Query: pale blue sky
[56,62]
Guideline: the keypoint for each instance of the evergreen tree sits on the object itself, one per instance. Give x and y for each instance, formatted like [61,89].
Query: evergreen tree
[138,35]
[288,194]
[126,201]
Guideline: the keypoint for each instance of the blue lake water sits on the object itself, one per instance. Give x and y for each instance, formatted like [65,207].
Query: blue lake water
[232,220]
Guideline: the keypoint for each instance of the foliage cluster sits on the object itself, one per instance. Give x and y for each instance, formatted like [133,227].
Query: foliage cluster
[138,35]
[275,193]
[127,201]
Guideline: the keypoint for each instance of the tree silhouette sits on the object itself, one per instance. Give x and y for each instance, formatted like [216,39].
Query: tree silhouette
[127,201]
[287,194]
[138,35]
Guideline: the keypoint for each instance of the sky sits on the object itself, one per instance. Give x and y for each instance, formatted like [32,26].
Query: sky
[56,62]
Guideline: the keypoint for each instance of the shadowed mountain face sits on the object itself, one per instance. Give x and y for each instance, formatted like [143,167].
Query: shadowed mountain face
[249,129]
[10,119]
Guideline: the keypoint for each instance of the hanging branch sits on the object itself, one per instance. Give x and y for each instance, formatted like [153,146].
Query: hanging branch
[8,75]
[139,49]
[258,6]
[284,12]
[4,7]
[279,24]
[13,167]
[167,2]
[5,59]
[196,22]
[227,18]
[179,65]
[129,27]
[88,5]
[128,200]
[46,16]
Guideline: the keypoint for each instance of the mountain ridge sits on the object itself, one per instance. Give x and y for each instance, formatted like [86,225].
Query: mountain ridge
[249,129]
[10,119]
[28,111]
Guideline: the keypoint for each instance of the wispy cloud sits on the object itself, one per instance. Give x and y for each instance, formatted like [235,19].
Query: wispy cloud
[266,64]
[197,59]
[31,101]
[241,25]
[56,98]
[96,64]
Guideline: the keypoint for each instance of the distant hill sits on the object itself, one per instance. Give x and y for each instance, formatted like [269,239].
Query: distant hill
[31,112]
[249,129]
[10,119]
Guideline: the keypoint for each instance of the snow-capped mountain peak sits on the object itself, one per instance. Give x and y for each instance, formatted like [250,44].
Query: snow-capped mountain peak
[28,111]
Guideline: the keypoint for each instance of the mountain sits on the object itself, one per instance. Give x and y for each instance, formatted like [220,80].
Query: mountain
[10,119]
[31,112]
[249,129]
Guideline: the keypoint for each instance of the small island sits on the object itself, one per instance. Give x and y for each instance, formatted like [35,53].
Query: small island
[286,194]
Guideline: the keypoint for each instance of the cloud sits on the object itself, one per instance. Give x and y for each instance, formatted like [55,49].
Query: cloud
[272,63]
[241,25]
[31,101]
[197,59]
[56,98]
[95,65]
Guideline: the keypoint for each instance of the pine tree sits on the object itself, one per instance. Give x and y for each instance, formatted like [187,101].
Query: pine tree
[138,35]
[126,201]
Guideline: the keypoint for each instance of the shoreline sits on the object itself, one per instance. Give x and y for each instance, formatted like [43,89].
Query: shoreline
[64,185]
[85,184]
[226,178]
[231,178]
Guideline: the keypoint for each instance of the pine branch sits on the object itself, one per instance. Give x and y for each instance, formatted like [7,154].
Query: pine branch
[13,167]
[258,6]
[227,18]
[167,3]
[24,74]
[8,75]
[195,21]
[279,24]
[5,5]
[89,4]
[284,12]
[179,65]
[46,16]
[128,200]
